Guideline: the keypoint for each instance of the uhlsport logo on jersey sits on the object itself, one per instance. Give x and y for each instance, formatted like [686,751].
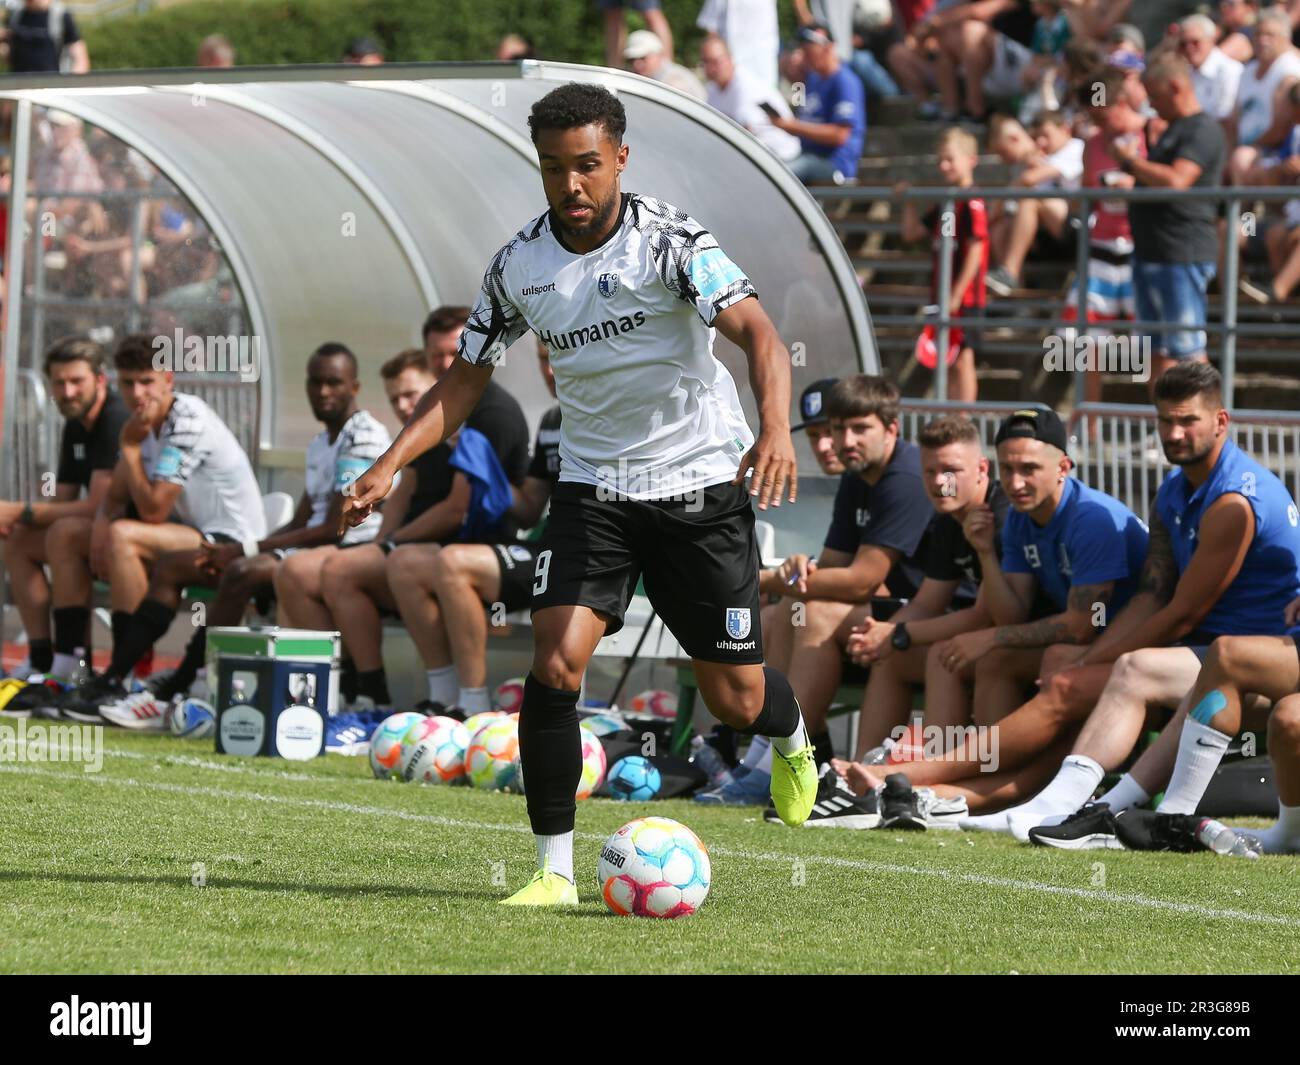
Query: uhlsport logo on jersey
[607,285]
[738,622]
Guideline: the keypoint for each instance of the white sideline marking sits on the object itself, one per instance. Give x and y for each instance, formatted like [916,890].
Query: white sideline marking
[861,865]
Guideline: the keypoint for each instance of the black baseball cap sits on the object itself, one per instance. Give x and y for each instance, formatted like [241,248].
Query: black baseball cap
[815,33]
[812,404]
[1033,423]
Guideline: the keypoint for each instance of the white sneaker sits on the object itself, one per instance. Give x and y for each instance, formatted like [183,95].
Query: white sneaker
[142,711]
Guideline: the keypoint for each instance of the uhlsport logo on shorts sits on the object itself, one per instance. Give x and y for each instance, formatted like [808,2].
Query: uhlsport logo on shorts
[738,622]
[607,285]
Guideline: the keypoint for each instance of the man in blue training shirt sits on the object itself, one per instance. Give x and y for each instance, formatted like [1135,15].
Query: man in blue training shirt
[1078,548]
[1224,559]
[832,123]
[873,545]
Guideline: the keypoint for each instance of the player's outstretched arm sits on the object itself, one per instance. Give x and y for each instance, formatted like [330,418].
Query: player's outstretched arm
[441,411]
[771,458]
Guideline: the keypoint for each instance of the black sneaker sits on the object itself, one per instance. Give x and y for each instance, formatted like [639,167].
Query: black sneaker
[429,708]
[82,703]
[899,804]
[31,698]
[1089,828]
[837,807]
[1146,830]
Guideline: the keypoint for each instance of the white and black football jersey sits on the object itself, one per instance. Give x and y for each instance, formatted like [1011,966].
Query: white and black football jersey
[333,465]
[649,412]
[196,450]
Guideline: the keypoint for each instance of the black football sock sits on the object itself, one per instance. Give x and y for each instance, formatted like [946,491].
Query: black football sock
[374,684]
[40,653]
[140,631]
[70,626]
[121,621]
[780,718]
[823,751]
[347,680]
[550,750]
[179,682]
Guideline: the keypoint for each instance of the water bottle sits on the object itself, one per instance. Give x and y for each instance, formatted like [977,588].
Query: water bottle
[1221,839]
[710,762]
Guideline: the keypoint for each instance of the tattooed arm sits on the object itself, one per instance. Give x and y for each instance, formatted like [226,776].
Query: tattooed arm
[1076,624]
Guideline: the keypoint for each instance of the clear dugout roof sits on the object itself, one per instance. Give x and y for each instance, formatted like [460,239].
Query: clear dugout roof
[349,201]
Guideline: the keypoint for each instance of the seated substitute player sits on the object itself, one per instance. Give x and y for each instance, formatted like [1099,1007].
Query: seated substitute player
[749,783]
[441,598]
[351,440]
[1083,550]
[872,547]
[94,415]
[349,589]
[177,456]
[625,291]
[1224,561]
[902,650]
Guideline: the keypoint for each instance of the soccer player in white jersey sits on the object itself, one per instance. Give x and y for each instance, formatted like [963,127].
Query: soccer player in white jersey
[626,291]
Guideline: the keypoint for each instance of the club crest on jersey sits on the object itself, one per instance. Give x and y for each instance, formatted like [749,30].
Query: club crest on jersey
[607,285]
[738,622]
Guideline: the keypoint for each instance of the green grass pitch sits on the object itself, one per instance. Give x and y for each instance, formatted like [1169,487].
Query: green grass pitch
[174,859]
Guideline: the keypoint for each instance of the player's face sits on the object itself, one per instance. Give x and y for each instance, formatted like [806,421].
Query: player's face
[580,173]
[954,476]
[331,386]
[822,442]
[142,387]
[75,388]
[1030,471]
[441,348]
[1190,429]
[406,389]
[862,442]
[544,365]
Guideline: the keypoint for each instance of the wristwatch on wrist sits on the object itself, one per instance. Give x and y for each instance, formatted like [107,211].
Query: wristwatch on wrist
[900,640]
[26,516]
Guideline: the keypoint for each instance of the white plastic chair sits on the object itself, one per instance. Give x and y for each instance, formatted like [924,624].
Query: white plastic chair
[278,509]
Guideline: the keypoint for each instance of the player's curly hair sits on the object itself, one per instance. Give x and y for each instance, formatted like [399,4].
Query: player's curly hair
[574,105]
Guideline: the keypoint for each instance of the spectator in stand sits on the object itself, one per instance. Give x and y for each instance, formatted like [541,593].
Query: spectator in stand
[1237,20]
[987,44]
[1095,18]
[876,33]
[1281,238]
[1110,296]
[832,123]
[1176,244]
[616,26]
[1047,67]
[646,56]
[740,96]
[958,155]
[1125,37]
[1059,165]
[364,52]
[42,37]
[1215,76]
[1259,124]
[515,46]
[749,30]
[216,52]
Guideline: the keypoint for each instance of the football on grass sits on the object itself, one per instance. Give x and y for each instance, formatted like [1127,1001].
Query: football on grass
[438,753]
[490,760]
[386,744]
[634,779]
[654,867]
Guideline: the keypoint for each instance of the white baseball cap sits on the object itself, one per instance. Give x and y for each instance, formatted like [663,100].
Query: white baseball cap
[641,43]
